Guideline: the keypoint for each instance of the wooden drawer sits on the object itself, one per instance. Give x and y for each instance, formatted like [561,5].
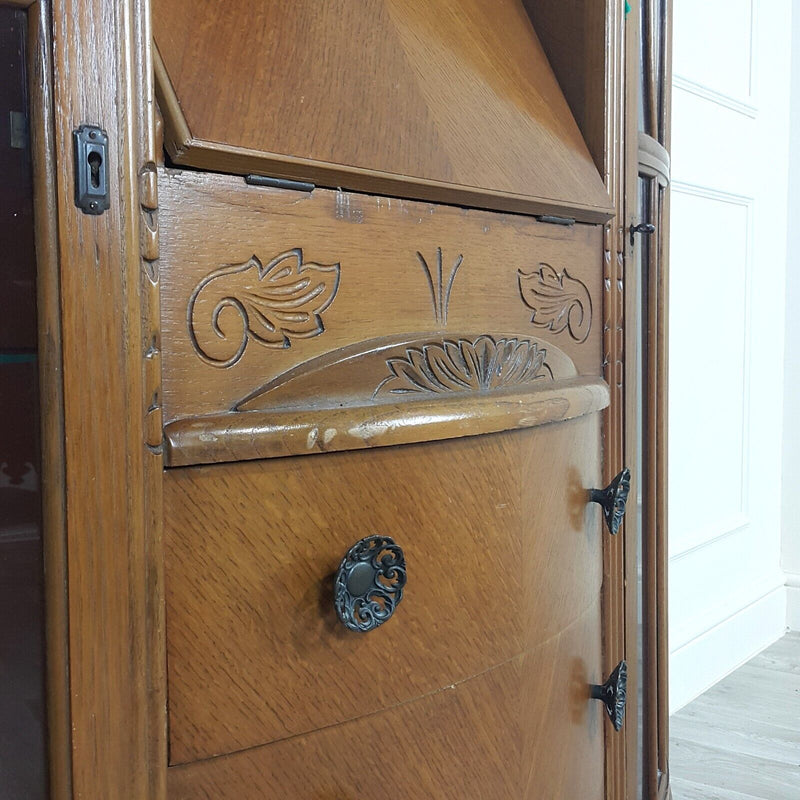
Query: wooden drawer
[503,555]
[523,730]
[297,322]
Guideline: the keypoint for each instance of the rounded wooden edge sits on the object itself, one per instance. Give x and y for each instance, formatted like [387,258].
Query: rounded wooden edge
[653,159]
[216,157]
[247,435]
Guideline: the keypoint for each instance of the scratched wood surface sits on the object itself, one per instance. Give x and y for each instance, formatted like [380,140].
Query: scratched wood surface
[268,434]
[275,299]
[443,100]
[503,553]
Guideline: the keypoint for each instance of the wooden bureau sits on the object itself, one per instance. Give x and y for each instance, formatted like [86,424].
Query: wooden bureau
[455,356]
[359,285]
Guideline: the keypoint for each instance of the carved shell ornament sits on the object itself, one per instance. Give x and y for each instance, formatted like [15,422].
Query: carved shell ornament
[559,302]
[464,366]
[269,304]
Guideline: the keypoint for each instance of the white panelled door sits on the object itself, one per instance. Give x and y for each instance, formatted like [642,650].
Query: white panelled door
[730,130]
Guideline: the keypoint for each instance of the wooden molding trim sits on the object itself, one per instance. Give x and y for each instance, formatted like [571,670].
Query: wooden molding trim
[615,646]
[653,159]
[242,436]
[108,303]
[176,132]
[51,389]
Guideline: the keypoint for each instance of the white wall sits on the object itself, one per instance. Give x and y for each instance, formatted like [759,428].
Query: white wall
[727,598]
[791,393]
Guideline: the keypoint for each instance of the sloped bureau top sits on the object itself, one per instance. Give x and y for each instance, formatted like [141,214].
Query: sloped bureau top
[444,100]
[298,322]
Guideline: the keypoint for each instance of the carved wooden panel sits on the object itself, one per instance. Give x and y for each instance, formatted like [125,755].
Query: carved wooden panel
[276,301]
[503,553]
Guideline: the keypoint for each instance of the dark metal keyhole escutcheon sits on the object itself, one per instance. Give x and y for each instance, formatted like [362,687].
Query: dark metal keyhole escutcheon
[613,499]
[612,694]
[91,169]
[369,583]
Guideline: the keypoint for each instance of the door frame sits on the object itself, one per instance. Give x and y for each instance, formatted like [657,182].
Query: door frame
[649,60]
[97,282]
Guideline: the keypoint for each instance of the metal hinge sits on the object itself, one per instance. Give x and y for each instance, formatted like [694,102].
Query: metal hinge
[553,220]
[643,227]
[91,169]
[279,183]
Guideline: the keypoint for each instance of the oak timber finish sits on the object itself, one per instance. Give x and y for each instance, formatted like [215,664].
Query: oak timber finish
[499,722]
[578,44]
[503,554]
[267,434]
[489,737]
[449,101]
[115,677]
[275,300]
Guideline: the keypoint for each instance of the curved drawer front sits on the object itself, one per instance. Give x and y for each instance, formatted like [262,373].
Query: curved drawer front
[522,731]
[298,322]
[503,554]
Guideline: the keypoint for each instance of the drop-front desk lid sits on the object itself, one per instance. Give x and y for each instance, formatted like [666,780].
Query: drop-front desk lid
[444,100]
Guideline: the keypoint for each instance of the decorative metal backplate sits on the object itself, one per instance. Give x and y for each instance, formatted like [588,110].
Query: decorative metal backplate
[369,583]
[613,694]
[613,499]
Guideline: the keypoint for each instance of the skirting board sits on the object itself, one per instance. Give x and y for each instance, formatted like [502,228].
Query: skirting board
[700,663]
[793,601]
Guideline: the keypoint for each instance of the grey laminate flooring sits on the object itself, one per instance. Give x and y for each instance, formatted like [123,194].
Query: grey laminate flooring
[741,739]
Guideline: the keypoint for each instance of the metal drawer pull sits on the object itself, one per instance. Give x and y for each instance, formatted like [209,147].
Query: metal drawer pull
[613,499]
[612,693]
[369,583]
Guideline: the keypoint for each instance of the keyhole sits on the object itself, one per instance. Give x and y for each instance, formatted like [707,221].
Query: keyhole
[95,160]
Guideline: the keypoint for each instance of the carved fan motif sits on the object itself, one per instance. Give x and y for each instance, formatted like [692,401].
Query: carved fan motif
[464,366]
[272,304]
[558,301]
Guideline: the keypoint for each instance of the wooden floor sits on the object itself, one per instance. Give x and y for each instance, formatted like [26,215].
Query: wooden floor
[741,739]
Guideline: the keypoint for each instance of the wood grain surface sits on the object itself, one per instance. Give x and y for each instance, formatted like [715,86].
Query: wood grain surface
[112,478]
[478,687]
[358,273]
[578,38]
[524,729]
[51,400]
[503,553]
[267,434]
[449,101]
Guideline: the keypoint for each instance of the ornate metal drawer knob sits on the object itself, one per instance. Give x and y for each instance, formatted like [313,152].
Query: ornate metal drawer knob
[369,583]
[612,693]
[613,499]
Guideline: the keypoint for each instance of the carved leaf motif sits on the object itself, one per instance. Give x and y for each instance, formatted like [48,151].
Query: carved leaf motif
[558,301]
[464,366]
[271,305]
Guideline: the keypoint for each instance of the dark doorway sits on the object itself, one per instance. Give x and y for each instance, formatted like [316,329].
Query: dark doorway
[23,774]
